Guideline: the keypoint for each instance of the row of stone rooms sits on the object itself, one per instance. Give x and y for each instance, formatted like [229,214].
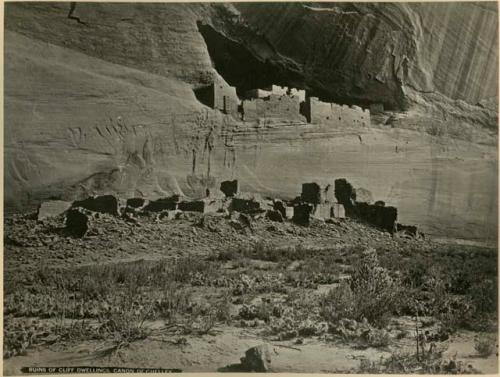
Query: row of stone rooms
[280,103]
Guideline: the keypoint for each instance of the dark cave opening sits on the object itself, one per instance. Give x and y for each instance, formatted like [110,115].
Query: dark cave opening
[241,68]
[254,64]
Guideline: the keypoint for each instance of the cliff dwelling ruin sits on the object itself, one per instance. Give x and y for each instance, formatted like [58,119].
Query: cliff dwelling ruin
[279,102]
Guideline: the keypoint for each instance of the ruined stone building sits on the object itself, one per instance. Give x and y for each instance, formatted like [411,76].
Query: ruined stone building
[325,113]
[220,96]
[376,108]
[279,102]
[273,102]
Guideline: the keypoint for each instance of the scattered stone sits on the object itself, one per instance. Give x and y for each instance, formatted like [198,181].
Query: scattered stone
[169,214]
[229,188]
[257,359]
[409,231]
[208,222]
[77,222]
[274,216]
[52,208]
[102,204]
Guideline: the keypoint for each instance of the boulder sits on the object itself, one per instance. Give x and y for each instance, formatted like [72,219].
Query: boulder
[274,215]
[257,359]
[229,188]
[103,204]
[52,208]
[77,222]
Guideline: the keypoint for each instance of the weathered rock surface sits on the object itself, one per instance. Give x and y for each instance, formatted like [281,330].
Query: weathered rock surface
[84,116]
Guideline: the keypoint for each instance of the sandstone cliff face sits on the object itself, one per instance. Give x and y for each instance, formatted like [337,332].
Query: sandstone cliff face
[106,105]
[366,52]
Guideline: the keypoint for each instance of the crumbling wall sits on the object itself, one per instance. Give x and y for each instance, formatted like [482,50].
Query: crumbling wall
[225,97]
[219,95]
[378,215]
[325,113]
[274,106]
[376,108]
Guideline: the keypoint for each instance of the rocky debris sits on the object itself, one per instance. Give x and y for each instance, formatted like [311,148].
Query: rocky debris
[275,216]
[257,359]
[102,204]
[209,222]
[162,204]
[409,231]
[241,221]
[77,222]
[169,214]
[52,208]
[302,214]
[345,194]
[229,188]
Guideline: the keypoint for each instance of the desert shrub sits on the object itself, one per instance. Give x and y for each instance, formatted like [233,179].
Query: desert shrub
[173,300]
[484,346]
[483,295]
[456,312]
[400,363]
[371,293]
[262,311]
[362,334]
[338,303]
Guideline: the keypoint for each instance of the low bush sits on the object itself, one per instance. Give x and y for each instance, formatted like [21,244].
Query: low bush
[371,293]
[484,346]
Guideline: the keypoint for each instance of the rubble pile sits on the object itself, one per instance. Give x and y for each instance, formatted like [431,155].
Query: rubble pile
[321,202]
